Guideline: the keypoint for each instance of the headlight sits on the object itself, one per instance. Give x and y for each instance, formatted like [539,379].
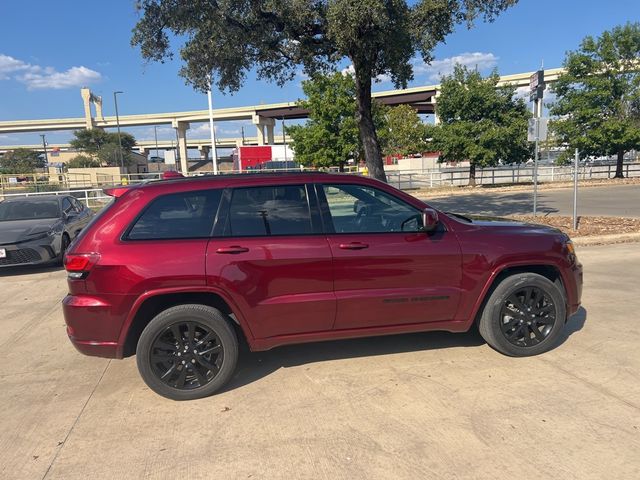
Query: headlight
[571,250]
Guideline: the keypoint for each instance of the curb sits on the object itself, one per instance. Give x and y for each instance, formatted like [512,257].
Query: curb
[606,239]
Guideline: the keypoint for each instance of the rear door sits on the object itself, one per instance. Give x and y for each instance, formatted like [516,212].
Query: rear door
[269,254]
[386,270]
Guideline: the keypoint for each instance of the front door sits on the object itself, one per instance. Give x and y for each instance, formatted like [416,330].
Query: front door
[386,270]
[269,254]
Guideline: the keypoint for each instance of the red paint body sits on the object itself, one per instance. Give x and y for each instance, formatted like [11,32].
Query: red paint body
[293,289]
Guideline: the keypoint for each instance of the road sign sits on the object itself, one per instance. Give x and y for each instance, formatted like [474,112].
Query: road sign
[536,85]
[538,127]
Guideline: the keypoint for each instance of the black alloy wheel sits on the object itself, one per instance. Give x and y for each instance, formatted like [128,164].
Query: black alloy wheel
[187,351]
[524,315]
[186,355]
[527,316]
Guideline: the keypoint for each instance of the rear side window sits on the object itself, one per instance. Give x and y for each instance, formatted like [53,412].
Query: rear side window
[274,210]
[179,215]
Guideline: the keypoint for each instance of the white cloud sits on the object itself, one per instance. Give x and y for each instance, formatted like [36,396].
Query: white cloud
[438,68]
[36,77]
[10,65]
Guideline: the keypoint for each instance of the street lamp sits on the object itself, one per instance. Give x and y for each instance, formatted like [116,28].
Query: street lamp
[115,101]
[155,132]
[212,131]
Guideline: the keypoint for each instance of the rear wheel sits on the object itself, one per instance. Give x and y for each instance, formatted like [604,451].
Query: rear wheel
[187,352]
[524,315]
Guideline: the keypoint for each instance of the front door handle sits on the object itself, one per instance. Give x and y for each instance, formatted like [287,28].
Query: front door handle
[353,246]
[232,249]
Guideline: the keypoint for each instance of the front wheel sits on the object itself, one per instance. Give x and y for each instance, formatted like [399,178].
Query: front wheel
[524,315]
[187,352]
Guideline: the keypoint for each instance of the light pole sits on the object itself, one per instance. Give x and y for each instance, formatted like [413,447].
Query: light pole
[46,157]
[155,132]
[212,130]
[115,101]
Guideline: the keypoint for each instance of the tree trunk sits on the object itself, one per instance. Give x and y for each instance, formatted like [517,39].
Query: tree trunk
[364,117]
[619,165]
[472,175]
[341,167]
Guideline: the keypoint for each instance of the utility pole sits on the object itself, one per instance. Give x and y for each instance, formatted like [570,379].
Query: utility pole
[46,156]
[115,101]
[284,142]
[214,153]
[537,86]
[575,190]
[155,132]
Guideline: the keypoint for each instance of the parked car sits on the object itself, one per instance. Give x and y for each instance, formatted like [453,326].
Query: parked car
[38,229]
[176,271]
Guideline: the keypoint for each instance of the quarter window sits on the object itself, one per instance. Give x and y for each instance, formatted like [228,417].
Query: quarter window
[275,210]
[355,209]
[179,215]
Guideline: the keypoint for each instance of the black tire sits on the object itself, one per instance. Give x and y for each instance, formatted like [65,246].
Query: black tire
[178,371]
[523,316]
[64,244]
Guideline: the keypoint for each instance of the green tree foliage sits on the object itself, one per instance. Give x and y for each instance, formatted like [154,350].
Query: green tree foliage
[330,137]
[480,122]
[104,145]
[21,160]
[83,161]
[277,37]
[403,132]
[598,105]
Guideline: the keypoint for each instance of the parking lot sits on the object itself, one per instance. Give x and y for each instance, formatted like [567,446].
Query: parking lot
[431,405]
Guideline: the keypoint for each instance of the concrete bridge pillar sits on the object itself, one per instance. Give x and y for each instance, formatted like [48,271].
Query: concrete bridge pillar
[181,129]
[434,100]
[86,99]
[265,128]
[204,151]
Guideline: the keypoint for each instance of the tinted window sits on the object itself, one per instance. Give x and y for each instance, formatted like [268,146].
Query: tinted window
[77,205]
[25,210]
[355,208]
[278,210]
[66,205]
[180,215]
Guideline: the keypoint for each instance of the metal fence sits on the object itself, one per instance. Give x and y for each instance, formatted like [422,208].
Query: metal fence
[407,180]
[92,198]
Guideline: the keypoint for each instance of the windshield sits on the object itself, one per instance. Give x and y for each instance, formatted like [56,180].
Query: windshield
[28,210]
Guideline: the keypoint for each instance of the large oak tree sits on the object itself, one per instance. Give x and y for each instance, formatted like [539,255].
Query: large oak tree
[480,122]
[224,39]
[598,105]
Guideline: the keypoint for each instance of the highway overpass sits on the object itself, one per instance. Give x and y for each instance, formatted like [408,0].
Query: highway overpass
[422,98]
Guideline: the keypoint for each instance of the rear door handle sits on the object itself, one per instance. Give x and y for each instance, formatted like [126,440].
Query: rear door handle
[353,246]
[232,249]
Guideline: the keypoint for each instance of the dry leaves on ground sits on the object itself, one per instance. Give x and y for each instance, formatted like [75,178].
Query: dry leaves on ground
[587,226]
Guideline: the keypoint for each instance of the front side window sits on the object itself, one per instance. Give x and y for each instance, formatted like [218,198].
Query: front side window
[360,209]
[272,210]
[66,205]
[176,216]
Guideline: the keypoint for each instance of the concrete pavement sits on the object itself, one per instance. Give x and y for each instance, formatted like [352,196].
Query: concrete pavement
[430,405]
[620,201]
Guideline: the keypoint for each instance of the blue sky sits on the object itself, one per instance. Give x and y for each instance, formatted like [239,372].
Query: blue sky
[49,49]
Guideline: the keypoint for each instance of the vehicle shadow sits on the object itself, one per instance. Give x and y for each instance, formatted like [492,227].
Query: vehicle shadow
[517,203]
[252,366]
[574,324]
[28,270]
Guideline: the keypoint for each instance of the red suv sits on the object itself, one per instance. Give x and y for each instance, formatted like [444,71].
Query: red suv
[176,271]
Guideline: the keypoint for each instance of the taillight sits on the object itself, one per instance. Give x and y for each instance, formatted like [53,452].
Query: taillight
[78,265]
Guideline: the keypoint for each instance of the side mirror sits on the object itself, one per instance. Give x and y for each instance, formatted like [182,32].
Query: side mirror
[429,219]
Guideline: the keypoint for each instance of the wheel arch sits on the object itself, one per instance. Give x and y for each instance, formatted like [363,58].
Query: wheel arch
[152,303]
[550,272]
